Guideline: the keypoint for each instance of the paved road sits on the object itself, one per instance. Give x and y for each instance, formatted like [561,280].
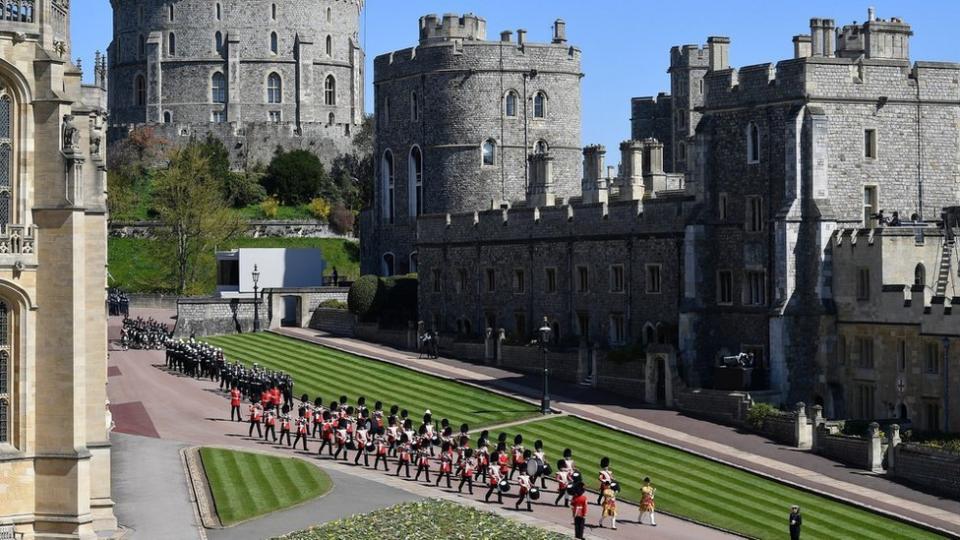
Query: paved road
[707,438]
[147,400]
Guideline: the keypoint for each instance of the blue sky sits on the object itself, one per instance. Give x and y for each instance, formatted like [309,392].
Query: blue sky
[625,42]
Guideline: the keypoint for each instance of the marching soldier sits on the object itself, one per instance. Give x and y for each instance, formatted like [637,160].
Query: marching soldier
[467,470]
[327,433]
[285,425]
[235,404]
[524,483]
[360,439]
[256,415]
[563,482]
[568,464]
[518,455]
[539,453]
[381,448]
[609,507]
[493,480]
[446,463]
[341,438]
[270,418]
[605,476]
[405,455]
[423,458]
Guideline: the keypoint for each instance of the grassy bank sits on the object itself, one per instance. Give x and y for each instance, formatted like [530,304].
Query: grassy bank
[136,266]
[246,485]
[319,371]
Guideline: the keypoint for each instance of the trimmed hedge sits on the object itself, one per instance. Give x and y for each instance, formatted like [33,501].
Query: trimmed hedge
[364,295]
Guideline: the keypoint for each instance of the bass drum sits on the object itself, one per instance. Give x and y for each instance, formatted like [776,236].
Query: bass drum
[370,447]
[615,486]
[534,494]
[535,467]
[504,486]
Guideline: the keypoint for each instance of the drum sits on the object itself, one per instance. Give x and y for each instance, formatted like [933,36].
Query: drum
[436,440]
[615,486]
[504,486]
[534,494]
[370,447]
[547,470]
[535,467]
[576,478]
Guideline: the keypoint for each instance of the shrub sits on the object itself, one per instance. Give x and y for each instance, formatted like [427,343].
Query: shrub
[364,296]
[333,304]
[243,189]
[320,209]
[270,207]
[296,177]
[342,219]
[758,414]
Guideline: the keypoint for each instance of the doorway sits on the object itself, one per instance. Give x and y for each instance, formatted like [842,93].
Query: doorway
[291,312]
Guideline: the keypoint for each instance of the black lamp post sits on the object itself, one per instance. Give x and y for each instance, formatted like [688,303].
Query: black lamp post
[544,339]
[256,299]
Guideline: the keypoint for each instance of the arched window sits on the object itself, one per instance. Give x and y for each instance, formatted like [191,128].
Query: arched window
[167,117]
[415,181]
[414,263]
[140,91]
[329,45]
[414,107]
[386,110]
[172,44]
[540,105]
[273,11]
[330,91]
[386,174]
[218,85]
[389,264]
[274,89]
[753,143]
[218,42]
[329,15]
[6,377]
[142,46]
[274,43]
[489,151]
[511,104]
[6,156]
[541,147]
[219,12]
[919,276]
[171,12]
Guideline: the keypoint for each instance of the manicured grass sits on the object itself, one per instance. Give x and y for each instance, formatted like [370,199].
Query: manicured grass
[423,520]
[246,485]
[320,371]
[135,265]
[703,490]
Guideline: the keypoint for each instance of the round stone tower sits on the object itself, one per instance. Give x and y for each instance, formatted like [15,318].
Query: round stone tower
[255,73]
[457,118]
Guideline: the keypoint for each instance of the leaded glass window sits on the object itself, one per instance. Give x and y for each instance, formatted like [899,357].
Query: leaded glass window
[6,156]
[5,374]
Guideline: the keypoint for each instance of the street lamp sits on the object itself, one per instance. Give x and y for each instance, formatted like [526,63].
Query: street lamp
[256,299]
[544,339]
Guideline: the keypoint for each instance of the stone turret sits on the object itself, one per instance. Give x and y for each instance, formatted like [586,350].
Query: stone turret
[594,184]
[631,170]
[451,27]
[876,38]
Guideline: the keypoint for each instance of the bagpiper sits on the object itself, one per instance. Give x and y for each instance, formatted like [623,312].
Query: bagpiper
[605,477]
[609,507]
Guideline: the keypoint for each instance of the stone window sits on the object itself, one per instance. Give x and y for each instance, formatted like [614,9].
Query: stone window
[218,42]
[511,104]
[389,264]
[681,118]
[870,143]
[870,206]
[932,358]
[140,14]
[414,107]
[722,206]
[541,147]
[540,105]
[863,284]
[274,88]
[140,91]
[583,279]
[437,280]
[489,151]
[6,377]
[6,156]
[172,44]
[167,117]
[617,281]
[141,46]
[618,329]
[415,179]
[274,43]
[754,218]
[170,12]
[550,284]
[681,151]
[330,91]
[218,116]
[653,279]
[755,288]
[329,15]
[519,281]
[462,280]
[725,288]
[491,280]
[331,119]
[865,401]
[275,117]
[700,85]
[865,350]
[753,143]
[902,356]
[385,111]
[218,85]
[386,172]
[273,11]
[329,48]
[219,12]
[414,262]
[520,325]
[919,275]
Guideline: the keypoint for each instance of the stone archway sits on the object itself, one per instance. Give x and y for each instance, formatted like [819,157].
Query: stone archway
[659,374]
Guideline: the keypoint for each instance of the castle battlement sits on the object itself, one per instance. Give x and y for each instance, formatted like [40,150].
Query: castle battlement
[452,26]
[689,56]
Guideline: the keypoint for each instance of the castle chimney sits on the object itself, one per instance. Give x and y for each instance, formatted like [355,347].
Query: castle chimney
[816,37]
[559,31]
[829,38]
[540,189]
[506,36]
[654,179]
[521,36]
[594,186]
[871,14]
[801,46]
[631,170]
[719,48]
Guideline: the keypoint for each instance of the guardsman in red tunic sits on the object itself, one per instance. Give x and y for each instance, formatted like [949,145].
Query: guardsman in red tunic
[285,425]
[483,456]
[446,463]
[467,469]
[301,433]
[525,483]
[317,417]
[393,434]
[605,476]
[404,455]
[326,433]
[380,448]
[265,398]
[361,438]
[276,398]
[423,459]
[519,461]
[503,460]
[341,438]
[270,419]
[256,416]
[579,509]
[493,480]
[235,404]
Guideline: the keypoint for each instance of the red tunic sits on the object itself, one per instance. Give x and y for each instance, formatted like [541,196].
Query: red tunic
[234,398]
[579,506]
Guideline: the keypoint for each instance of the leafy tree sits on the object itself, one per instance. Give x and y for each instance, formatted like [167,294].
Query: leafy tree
[130,162]
[353,172]
[194,216]
[296,177]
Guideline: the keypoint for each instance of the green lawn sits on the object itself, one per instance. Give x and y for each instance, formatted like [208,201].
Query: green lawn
[135,265]
[320,371]
[246,485]
[706,491]
[422,520]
